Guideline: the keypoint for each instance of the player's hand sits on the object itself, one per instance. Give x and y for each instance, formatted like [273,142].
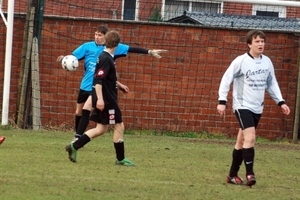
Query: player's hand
[100,104]
[221,109]
[285,109]
[156,52]
[123,88]
[59,58]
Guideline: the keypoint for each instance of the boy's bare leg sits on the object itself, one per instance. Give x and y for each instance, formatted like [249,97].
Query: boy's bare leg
[118,139]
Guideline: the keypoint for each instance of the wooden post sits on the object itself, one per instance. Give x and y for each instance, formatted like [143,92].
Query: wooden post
[297,105]
[35,78]
[24,83]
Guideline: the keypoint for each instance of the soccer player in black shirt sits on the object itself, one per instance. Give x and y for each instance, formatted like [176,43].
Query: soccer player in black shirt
[105,103]
[89,52]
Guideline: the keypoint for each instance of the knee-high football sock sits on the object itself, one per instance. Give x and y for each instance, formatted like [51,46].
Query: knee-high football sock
[84,122]
[83,140]
[77,120]
[248,155]
[120,152]
[237,159]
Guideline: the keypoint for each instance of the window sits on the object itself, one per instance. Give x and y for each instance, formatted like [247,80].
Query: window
[175,8]
[267,13]
[129,9]
[268,10]
[205,7]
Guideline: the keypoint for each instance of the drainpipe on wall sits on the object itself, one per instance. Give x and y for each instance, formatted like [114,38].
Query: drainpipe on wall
[40,21]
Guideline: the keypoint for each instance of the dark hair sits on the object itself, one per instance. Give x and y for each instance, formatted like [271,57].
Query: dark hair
[253,34]
[112,39]
[102,29]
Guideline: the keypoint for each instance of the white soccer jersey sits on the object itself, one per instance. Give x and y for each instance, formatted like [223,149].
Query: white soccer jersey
[251,77]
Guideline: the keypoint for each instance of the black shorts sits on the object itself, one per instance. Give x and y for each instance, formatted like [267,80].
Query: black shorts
[83,96]
[247,118]
[112,116]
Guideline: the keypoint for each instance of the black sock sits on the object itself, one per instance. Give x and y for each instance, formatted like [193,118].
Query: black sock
[237,159]
[83,140]
[120,152]
[248,155]
[77,120]
[84,122]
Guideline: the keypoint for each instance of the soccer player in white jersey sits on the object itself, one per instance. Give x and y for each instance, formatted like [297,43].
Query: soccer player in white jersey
[251,73]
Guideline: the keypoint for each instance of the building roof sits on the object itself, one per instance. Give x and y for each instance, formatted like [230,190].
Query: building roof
[238,21]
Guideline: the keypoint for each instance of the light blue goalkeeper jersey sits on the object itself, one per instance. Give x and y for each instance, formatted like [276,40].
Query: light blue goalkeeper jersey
[90,52]
[251,77]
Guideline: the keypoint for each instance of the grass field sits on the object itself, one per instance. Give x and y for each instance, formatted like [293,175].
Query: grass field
[34,165]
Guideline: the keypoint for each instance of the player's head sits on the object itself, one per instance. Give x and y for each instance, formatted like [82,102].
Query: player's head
[112,39]
[254,34]
[100,33]
[256,42]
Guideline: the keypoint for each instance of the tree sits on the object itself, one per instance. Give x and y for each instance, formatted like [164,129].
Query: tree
[156,15]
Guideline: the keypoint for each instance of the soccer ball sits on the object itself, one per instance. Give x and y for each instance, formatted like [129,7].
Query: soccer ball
[69,63]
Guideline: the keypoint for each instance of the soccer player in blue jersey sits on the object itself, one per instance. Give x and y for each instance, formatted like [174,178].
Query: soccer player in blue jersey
[90,51]
[105,102]
[251,73]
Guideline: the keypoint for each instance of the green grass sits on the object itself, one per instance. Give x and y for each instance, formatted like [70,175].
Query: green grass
[34,165]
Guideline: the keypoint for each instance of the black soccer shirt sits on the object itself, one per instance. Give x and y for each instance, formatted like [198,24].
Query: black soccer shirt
[105,75]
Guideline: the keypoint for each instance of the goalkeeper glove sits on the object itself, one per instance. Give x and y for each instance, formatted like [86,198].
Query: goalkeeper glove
[156,52]
[60,58]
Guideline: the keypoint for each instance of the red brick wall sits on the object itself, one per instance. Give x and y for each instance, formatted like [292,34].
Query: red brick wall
[292,12]
[175,93]
[104,9]
[146,8]
[237,8]
[86,9]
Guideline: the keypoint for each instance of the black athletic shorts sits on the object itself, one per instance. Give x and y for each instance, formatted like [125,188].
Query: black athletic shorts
[83,96]
[247,118]
[112,116]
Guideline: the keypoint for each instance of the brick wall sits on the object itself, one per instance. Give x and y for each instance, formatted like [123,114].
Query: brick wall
[175,93]
[236,8]
[105,9]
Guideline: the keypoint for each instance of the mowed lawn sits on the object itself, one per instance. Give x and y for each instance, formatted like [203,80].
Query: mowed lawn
[34,165]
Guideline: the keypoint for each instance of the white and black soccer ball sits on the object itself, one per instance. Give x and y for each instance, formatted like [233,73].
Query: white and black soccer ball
[69,63]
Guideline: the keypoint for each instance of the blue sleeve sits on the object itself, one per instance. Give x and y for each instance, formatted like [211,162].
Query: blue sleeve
[122,50]
[79,53]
